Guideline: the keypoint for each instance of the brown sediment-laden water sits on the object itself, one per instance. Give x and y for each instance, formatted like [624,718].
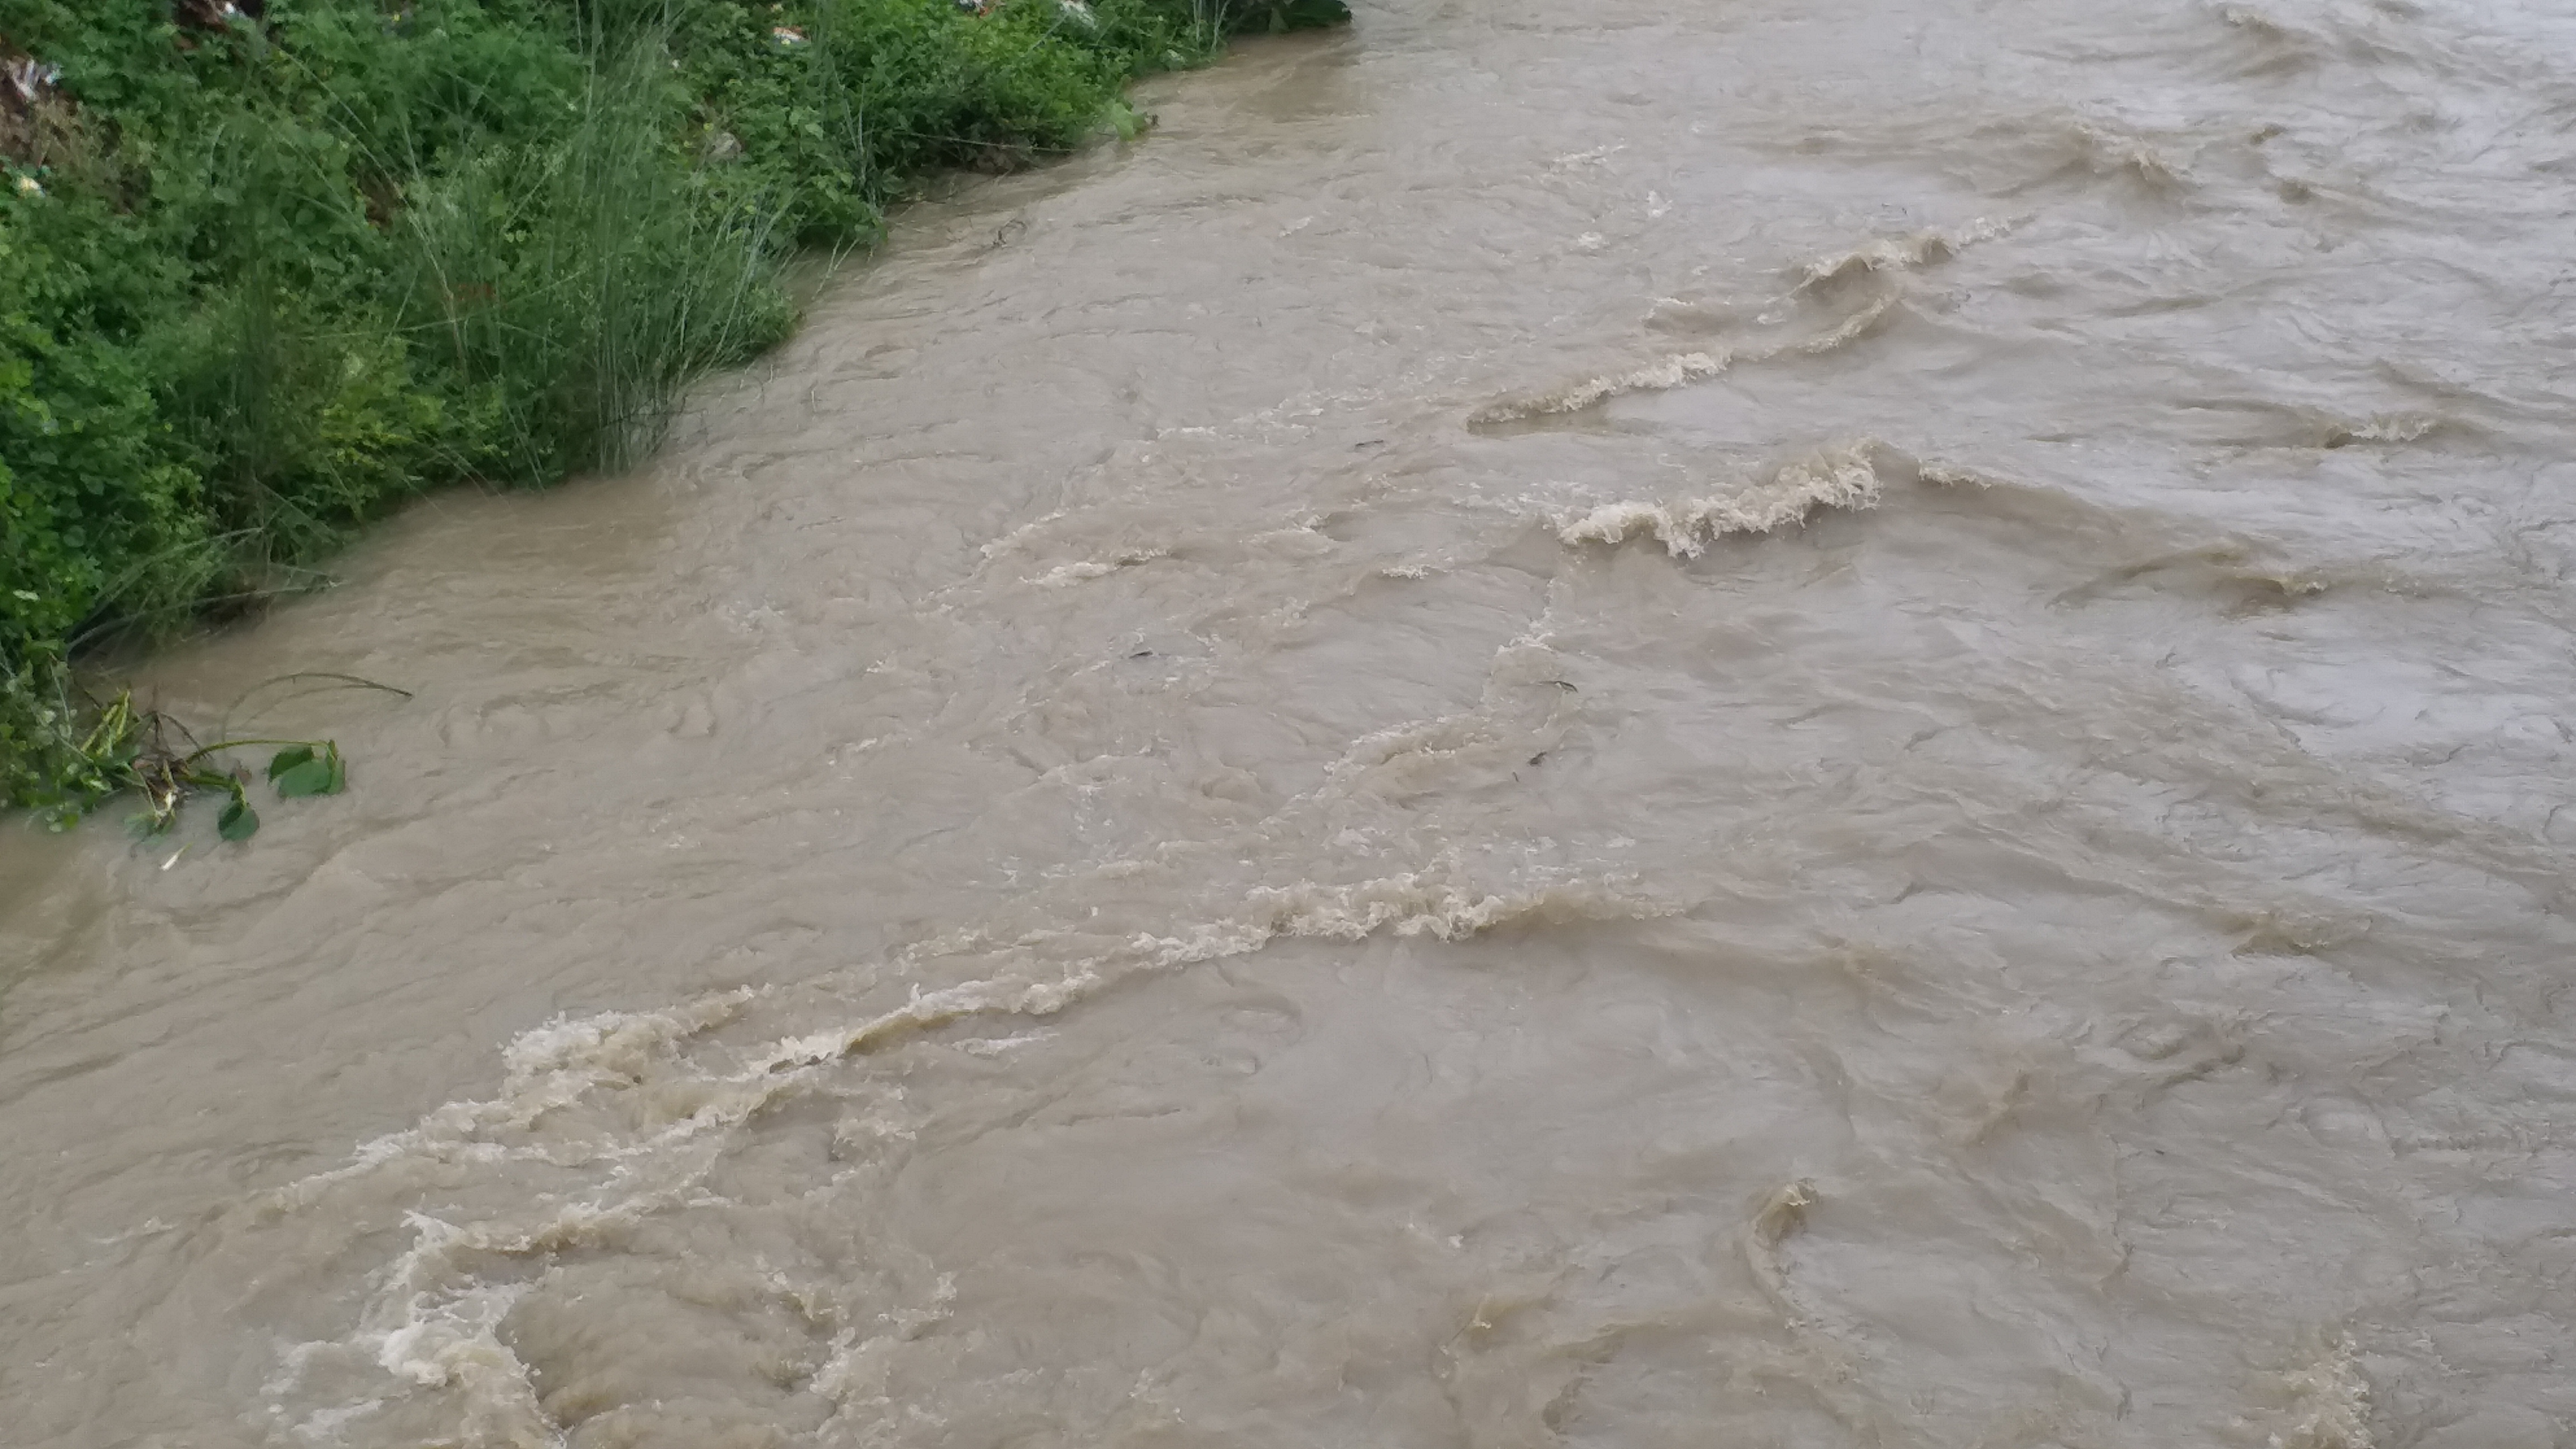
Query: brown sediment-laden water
[1658,723]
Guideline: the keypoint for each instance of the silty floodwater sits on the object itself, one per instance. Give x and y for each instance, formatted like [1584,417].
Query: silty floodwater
[1645,723]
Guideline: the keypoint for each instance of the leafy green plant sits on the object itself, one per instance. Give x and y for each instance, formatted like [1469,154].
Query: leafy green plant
[264,277]
[127,749]
[299,768]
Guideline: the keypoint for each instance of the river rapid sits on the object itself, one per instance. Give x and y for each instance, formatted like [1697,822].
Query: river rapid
[1657,723]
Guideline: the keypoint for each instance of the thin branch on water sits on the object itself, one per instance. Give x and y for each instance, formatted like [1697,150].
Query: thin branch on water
[335,681]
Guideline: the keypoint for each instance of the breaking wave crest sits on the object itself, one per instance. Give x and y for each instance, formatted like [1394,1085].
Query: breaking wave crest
[1844,475]
[435,1318]
[2105,152]
[1065,575]
[1912,252]
[1887,256]
[1679,370]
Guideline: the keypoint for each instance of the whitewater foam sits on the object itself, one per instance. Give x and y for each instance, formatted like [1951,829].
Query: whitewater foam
[1082,571]
[432,1323]
[2330,1402]
[1844,475]
[1678,370]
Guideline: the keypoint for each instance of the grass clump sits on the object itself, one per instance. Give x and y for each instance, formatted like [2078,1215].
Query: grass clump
[269,267]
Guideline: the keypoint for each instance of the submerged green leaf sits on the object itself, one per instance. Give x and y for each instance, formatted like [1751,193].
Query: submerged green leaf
[238,822]
[313,777]
[290,758]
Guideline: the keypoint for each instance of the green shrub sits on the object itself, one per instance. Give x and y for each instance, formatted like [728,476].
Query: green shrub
[262,279]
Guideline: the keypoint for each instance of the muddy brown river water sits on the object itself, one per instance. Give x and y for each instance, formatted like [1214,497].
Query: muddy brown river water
[1653,723]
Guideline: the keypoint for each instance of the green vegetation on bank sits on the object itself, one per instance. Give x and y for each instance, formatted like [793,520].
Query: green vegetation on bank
[269,267]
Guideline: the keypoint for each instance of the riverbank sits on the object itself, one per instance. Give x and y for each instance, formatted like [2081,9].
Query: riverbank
[268,269]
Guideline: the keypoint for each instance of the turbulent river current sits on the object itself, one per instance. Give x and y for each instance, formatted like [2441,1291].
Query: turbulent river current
[1645,723]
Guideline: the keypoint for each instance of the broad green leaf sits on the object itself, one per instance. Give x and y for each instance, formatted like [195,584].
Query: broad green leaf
[238,822]
[313,777]
[292,757]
